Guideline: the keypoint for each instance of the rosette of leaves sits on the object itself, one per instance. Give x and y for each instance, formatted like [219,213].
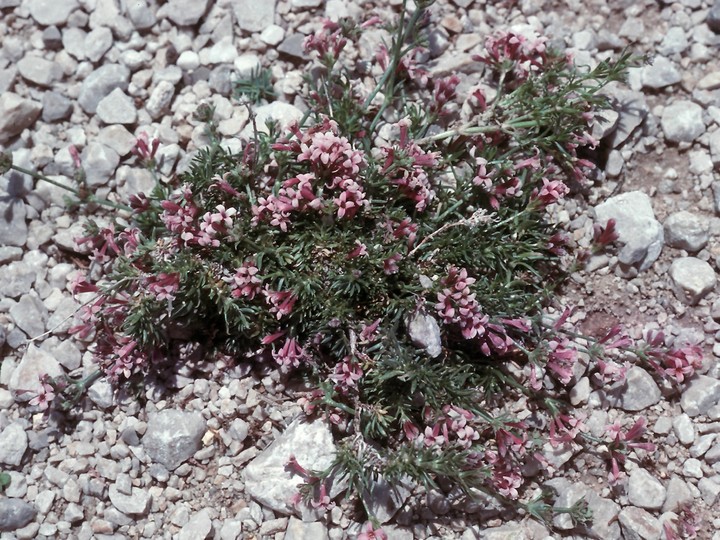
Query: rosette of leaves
[398,196]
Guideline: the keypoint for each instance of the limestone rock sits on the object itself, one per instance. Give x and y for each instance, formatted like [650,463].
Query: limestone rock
[16,114]
[173,436]
[692,279]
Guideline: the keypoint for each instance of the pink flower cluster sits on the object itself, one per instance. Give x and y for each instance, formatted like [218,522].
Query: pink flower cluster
[457,305]
[346,375]
[406,166]
[496,185]
[163,286]
[622,442]
[526,55]
[451,429]
[246,282]
[676,364]
[328,41]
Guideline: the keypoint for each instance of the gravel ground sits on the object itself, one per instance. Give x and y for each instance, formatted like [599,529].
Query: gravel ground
[195,461]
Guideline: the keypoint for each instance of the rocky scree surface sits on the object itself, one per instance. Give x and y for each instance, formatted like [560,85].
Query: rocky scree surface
[189,462]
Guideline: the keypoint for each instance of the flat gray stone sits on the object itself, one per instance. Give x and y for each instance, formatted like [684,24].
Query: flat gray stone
[117,108]
[700,394]
[682,121]
[678,494]
[688,231]
[692,279]
[645,491]
[100,83]
[632,108]
[15,514]
[136,504]
[661,73]
[16,114]
[13,443]
[99,162]
[185,12]
[638,392]
[97,43]
[30,315]
[173,436]
[283,113]
[198,527]
[13,227]
[25,378]
[38,70]
[637,228]
[51,12]
[56,106]
[684,429]
[300,530]
[254,16]
[267,477]
[424,332]
[160,99]
[638,524]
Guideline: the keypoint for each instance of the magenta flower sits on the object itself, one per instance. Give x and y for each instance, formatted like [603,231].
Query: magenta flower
[290,354]
[45,395]
[369,532]
[163,286]
[346,374]
[246,282]
[281,302]
[145,148]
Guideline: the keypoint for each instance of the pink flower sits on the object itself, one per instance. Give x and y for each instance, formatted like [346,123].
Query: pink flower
[432,436]
[163,286]
[281,302]
[346,374]
[45,395]
[246,282]
[552,191]
[360,250]
[290,354]
[369,532]
[145,148]
[390,264]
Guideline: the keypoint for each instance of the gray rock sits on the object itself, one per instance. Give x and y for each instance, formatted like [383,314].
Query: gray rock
[198,527]
[221,79]
[38,70]
[73,40]
[615,164]
[117,108]
[638,392]
[15,514]
[674,42]
[185,12]
[7,79]
[141,15]
[700,162]
[119,139]
[283,113]
[692,468]
[55,106]
[682,121]
[384,499]
[713,454]
[160,99]
[13,443]
[710,489]
[25,378]
[300,530]
[632,108]
[702,445]
[13,232]
[713,17]
[292,46]
[101,394]
[645,491]
[714,144]
[692,279]
[173,436]
[267,477]
[688,231]
[661,73]
[222,52]
[639,231]
[64,351]
[30,315]
[99,162]
[137,504]
[51,12]
[246,65]
[16,278]
[678,494]
[61,321]
[100,83]
[424,332]
[306,4]
[52,38]
[97,43]
[16,114]
[253,16]
[684,429]
[637,524]
[272,35]
[700,394]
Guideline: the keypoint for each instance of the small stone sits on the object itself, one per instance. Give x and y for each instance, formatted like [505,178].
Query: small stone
[645,491]
[99,162]
[222,52]
[100,83]
[702,445]
[661,73]
[637,524]
[136,504]
[710,489]
[160,99]
[13,443]
[674,42]
[55,106]
[197,528]
[700,162]
[184,12]
[73,40]
[292,46]
[16,114]
[700,394]
[16,278]
[239,429]
[712,456]
[173,436]
[424,332]
[38,70]
[51,12]
[269,481]
[688,231]
[141,15]
[15,514]
[25,379]
[580,393]
[682,121]
[117,108]
[639,231]
[300,530]
[713,17]
[272,35]
[52,38]
[684,429]
[692,468]
[638,392]
[247,65]
[188,60]
[632,108]
[692,279]
[678,494]
[97,43]
[254,16]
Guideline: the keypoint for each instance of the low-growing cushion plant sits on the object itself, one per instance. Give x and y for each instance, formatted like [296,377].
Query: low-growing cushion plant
[396,250]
